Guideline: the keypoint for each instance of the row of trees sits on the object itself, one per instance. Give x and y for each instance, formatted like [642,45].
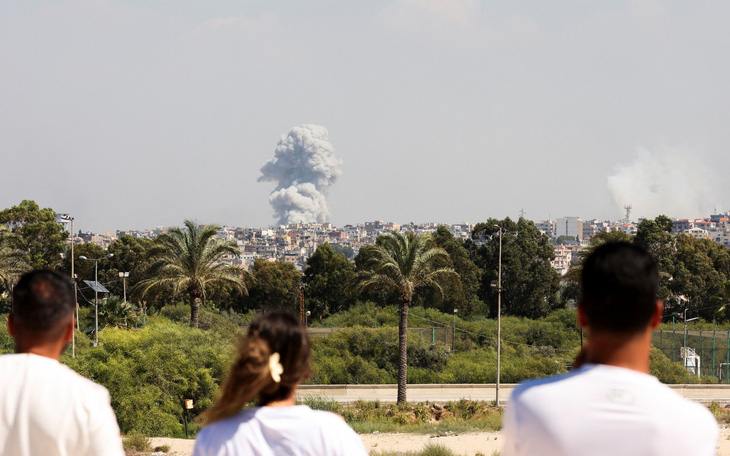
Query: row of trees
[694,273]
[435,270]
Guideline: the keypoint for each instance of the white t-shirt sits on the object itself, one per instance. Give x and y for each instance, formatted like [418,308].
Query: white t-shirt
[602,410]
[47,409]
[281,431]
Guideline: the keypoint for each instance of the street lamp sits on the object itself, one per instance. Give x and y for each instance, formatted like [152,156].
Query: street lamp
[306,318]
[685,339]
[499,314]
[453,332]
[66,217]
[96,293]
[124,276]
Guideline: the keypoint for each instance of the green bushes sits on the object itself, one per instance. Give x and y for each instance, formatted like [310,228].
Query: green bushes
[150,371]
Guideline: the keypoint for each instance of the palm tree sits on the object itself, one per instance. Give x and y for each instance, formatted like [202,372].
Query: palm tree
[13,260]
[402,263]
[115,312]
[187,260]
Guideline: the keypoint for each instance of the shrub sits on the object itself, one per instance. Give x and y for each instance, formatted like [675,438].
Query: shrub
[148,372]
[136,443]
[436,449]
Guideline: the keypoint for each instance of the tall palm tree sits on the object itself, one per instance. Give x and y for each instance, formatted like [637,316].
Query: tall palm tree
[402,263]
[187,260]
[13,260]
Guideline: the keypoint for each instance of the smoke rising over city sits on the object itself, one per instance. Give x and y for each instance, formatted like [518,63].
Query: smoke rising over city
[672,182]
[304,167]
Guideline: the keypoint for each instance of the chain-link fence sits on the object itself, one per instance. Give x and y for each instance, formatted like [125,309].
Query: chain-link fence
[702,352]
[434,334]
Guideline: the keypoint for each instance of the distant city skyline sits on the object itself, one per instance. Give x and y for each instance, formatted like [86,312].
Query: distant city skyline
[134,114]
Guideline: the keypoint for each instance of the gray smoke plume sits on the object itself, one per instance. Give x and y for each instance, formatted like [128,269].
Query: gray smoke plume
[664,181]
[304,166]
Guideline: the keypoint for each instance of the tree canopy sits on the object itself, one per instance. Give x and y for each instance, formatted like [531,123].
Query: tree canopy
[529,282]
[39,236]
[187,260]
[326,276]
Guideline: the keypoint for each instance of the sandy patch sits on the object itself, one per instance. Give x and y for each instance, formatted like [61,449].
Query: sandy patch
[467,444]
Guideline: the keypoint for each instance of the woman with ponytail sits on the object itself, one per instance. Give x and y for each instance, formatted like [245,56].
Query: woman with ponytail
[273,359]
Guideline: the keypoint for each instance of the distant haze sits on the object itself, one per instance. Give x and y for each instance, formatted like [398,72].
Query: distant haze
[131,114]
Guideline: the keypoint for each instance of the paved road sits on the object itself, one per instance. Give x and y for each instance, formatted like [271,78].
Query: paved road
[442,393]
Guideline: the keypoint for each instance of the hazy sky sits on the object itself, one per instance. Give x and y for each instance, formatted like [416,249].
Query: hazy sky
[133,114]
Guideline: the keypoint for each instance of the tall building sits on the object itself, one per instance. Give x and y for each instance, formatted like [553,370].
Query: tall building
[547,227]
[569,226]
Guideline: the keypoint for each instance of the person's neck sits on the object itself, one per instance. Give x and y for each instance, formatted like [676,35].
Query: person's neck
[47,351]
[630,352]
[288,402]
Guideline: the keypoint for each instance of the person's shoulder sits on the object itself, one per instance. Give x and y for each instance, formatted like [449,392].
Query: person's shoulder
[539,385]
[321,416]
[230,425]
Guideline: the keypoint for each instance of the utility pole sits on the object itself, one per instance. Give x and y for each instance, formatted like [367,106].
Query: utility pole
[499,315]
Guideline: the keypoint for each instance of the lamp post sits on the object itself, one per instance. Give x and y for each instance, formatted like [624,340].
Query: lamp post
[66,217]
[96,294]
[685,339]
[453,332]
[306,318]
[499,315]
[187,406]
[124,276]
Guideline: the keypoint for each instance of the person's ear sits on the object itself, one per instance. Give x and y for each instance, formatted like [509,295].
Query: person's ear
[68,333]
[10,324]
[582,317]
[656,318]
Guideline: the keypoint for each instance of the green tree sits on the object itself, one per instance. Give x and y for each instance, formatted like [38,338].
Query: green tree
[403,263]
[460,290]
[696,275]
[529,282]
[273,284]
[115,312]
[656,237]
[13,261]
[571,279]
[188,260]
[346,250]
[39,236]
[326,276]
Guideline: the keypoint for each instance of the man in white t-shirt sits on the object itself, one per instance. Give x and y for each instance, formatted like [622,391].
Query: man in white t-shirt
[47,409]
[610,405]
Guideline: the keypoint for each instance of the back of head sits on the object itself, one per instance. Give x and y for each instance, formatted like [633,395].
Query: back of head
[619,288]
[272,360]
[43,302]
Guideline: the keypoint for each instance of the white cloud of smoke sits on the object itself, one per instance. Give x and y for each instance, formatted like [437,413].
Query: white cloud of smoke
[304,166]
[671,182]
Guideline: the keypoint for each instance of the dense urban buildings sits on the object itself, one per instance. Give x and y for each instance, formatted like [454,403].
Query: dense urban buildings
[294,243]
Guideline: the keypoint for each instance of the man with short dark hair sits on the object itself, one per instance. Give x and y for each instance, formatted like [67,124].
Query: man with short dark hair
[46,408]
[610,405]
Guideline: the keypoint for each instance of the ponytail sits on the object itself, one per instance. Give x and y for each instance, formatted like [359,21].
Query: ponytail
[248,378]
[272,360]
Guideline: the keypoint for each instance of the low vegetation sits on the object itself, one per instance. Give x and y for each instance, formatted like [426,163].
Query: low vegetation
[150,370]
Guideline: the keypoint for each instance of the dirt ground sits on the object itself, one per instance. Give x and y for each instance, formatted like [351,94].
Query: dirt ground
[467,444]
